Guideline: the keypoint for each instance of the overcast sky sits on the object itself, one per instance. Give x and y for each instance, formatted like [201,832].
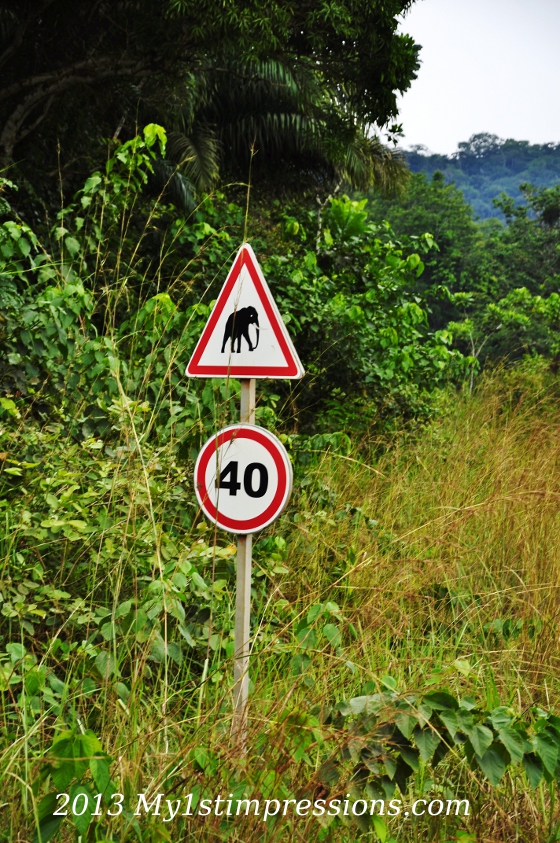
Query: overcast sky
[487,66]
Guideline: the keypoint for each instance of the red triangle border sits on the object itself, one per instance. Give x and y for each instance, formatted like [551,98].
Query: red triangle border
[291,370]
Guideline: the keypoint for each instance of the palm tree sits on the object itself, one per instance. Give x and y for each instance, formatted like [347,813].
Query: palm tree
[288,122]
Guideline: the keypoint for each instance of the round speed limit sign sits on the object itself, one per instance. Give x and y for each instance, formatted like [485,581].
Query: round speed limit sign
[243,478]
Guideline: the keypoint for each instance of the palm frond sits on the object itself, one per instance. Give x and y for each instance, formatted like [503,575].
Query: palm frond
[233,109]
[174,185]
[197,155]
[369,163]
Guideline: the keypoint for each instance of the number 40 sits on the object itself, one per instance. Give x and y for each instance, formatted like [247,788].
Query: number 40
[232,484]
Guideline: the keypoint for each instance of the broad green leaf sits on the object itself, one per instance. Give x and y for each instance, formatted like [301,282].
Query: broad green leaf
[59,688]
[81,798]
[13,228]
[99,768]
[307,638]
[81,753]
[10,407]
[406,724]
[157,650]
[179,580]
[427,742]
[72,245]
[441,700]
[300,663]
[501,717]
[328,772]
[24,246]
[34,682]
[314,613]
[310,260]
[410,755]
[513,742]
[198,581]
[48,825]
[554,721]
[332,634]
[203,757]
[368,704]
[481,737]
[533,768]
[153,132]
[492,764]
[464,720]
[187,636]
[105,663]
[63,774]
[547,751]
[174,651]
[92,183]
[380,828]
[390,766]
[123,691]
[50,524]
[424,713]
[89,744]
[16,651]
[81,526]
[449,719]
[123,609]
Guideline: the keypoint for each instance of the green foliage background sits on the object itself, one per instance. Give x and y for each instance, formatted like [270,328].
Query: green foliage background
[117,597]
[404,612]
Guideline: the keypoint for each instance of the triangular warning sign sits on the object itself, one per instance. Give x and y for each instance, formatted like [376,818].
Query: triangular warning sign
[245,336]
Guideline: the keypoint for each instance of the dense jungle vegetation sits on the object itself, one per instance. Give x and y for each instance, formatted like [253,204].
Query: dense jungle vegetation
[486,166]
[404,606]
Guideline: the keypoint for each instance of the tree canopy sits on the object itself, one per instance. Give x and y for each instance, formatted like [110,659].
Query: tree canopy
[486,165]
[76,72]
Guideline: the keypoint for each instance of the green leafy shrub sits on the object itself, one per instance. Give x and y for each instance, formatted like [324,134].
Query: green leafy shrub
[516,325]
[360,321]
[97,319]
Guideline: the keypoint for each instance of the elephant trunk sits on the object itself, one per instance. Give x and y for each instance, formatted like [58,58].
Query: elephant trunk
[258,335]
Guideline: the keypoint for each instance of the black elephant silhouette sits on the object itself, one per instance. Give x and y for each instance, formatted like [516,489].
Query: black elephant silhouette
[237,327]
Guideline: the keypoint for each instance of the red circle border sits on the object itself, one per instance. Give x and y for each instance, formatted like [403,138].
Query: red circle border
[273,446]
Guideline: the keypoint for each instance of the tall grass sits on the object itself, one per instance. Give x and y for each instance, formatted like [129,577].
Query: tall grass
[440,549]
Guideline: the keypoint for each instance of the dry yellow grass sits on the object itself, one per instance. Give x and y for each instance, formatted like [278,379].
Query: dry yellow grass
[443,553]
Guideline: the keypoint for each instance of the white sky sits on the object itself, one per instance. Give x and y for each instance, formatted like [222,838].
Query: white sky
[487,66]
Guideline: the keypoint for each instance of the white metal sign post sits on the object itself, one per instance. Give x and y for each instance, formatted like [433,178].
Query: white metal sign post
[242,631]
[243,475]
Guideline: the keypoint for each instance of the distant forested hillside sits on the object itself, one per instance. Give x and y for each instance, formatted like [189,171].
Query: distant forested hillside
[486,165]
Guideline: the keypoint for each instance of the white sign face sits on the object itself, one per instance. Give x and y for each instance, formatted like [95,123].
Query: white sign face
[245,336]
[243,478]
